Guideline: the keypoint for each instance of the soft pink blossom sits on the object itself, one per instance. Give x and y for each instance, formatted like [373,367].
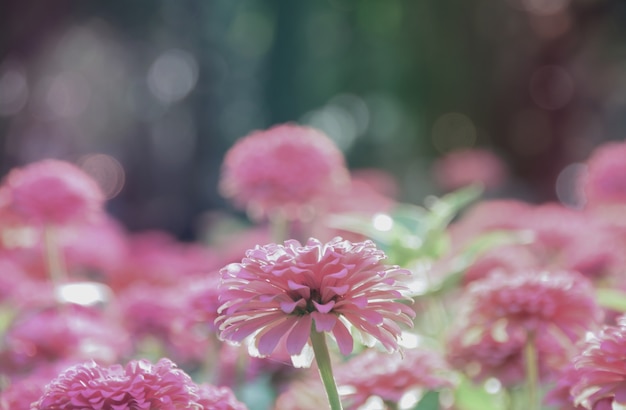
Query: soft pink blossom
[390,377]
[156,258]
[61,333]
[601,368]
[502,311]
[52,192]
[287,168]
[560,396]
[303,394]
[464,167]
[218,398]
[162,314]
[278,291]
[19,392]
[140,385]
[604,183]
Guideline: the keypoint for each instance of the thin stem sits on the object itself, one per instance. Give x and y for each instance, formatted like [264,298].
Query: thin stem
[532,373]
[279,227]
[322,358]
[54,260]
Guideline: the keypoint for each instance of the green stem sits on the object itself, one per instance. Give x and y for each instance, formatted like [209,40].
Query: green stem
[54,259]
[279,227]
[532,373]
[322,358]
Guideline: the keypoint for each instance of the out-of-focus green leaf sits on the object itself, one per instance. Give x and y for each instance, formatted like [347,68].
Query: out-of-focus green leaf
[472,251]
[413,232]
[468,396]
[614,299]
[444,209]
[7,314]
[430,401]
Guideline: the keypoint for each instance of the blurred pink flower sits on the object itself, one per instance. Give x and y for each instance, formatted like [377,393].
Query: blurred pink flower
[461,168]
[601,368]
[140,385]
[61,333]
[480,356]
[218,398]
[508,258]
[277,291]
[390,377]
[560,396]
[486,216]
[605,179]
[545,303]
[20,392]
[162,314]
[286,168]
[52,192]
[501,311]
[156,258]
[303,394]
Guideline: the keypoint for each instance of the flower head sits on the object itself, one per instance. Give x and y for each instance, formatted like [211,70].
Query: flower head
[605,181]
[461,168]
[391,377]
[68,332]
[287,168]
[502,312]
[601,368]
[218,398]
[140,385]
[52,191]
[542,302]
[278,291]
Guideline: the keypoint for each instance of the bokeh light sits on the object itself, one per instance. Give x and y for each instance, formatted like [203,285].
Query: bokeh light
[173,75]
[106,170]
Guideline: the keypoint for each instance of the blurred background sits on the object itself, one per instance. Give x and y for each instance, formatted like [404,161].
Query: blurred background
[148,95]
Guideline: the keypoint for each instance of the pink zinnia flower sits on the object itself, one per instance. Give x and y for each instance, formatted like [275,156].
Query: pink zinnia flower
[601,369]
[218,398]
[62,333]
[158,259]
[287,168]
[461,168]
[162,313]
[390,377]
[277,291]
[547,304]
[560,396]
[604,183]
[140,385]
[504,310]
[19,393]
[52,192]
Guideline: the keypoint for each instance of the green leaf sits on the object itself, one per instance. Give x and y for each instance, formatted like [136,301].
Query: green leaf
[430,401]
[614,299]
[469,396]
[467,256]
[444,209]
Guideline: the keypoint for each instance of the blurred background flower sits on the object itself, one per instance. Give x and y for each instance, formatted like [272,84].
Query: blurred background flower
[148,96]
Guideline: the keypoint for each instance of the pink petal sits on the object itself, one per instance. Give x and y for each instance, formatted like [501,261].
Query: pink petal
[324,322]
[325,308]
[299,335]
[343,338]
[269,339]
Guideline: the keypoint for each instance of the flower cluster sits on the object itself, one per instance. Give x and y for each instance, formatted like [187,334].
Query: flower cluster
[401,306]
